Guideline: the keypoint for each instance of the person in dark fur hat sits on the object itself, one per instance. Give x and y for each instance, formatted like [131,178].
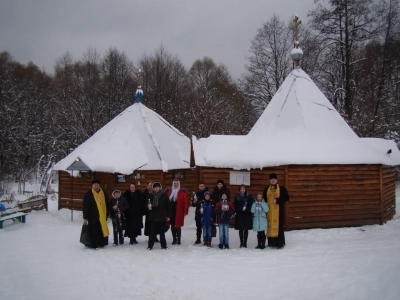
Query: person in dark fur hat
[220,188]
[276,196]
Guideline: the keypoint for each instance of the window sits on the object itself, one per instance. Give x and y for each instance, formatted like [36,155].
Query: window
[137,176]
[120,178]
[238,178]
[179,174]
[86,174]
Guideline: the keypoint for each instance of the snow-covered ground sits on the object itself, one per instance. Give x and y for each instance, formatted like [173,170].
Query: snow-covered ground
[43,259]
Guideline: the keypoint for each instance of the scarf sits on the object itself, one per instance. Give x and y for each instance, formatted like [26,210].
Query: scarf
[243,198]
[155,199]
[174,194]
[273,213]
[174,191]
[102,208]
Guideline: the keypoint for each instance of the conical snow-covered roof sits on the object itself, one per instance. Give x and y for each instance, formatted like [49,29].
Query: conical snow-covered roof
[299,106]
[299,126]
[137,139]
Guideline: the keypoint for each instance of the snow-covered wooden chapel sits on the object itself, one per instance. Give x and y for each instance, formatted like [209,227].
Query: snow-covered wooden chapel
[137,146]
[334,178]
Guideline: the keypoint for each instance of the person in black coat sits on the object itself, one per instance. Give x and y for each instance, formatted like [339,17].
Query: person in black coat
[146,193]
[197,200]
[134,215]
[117,208]
[159,213]
[219,189]
[276,195]
[95,212]
[243,220]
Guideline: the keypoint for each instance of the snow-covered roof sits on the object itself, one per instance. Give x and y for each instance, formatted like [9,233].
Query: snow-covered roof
[299,126]
[137,139]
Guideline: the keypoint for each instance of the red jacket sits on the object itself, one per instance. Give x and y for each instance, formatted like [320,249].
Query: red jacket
[182,206]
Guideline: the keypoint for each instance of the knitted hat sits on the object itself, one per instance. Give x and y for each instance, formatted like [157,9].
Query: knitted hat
[220,181]
[207,193]
[95,181]
[273,176]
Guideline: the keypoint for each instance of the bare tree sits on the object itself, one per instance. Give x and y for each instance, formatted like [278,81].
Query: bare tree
[217,106]
[118,83]
[165,87]
[269,62]
[344,27]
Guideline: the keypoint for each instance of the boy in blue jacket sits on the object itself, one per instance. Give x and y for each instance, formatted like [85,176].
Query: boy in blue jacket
[207,218]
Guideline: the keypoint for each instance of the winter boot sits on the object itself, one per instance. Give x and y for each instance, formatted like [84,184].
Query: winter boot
[198,237]
[263,239]
[198,240]
[241,238]
[178,235]
[258,242]
[226,246]
[220,246]
[173,231]
[205,244]
[245,236]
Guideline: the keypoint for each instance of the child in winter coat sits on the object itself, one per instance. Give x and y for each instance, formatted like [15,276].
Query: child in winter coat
[224,211]
[259,210]
[118,206]
[207,218]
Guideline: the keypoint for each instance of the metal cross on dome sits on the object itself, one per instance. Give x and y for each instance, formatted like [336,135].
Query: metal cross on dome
[297,23]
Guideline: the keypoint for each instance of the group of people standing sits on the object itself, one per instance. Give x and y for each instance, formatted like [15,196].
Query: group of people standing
[167,209]
[265,214]
[163,210]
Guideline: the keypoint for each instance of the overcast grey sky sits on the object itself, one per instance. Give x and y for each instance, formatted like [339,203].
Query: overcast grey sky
[43,30]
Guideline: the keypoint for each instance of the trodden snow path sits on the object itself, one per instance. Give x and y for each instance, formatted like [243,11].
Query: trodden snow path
[43,259]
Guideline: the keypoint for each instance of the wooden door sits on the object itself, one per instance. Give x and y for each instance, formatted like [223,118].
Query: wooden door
[107,183]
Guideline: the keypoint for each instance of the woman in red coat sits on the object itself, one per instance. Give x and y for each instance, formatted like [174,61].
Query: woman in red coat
[179,208]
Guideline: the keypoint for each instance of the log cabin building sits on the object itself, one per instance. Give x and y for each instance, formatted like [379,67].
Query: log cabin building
[334,178]
[137,146]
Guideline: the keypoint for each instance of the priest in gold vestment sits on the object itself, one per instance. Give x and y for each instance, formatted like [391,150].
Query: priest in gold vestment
[276,196]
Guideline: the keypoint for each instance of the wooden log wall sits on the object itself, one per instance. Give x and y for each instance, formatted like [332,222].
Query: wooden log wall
[321,196]
[77,187]
[259,179]
[388,193]
[325,196]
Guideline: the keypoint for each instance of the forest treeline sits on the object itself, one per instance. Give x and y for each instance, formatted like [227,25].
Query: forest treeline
[351,50]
